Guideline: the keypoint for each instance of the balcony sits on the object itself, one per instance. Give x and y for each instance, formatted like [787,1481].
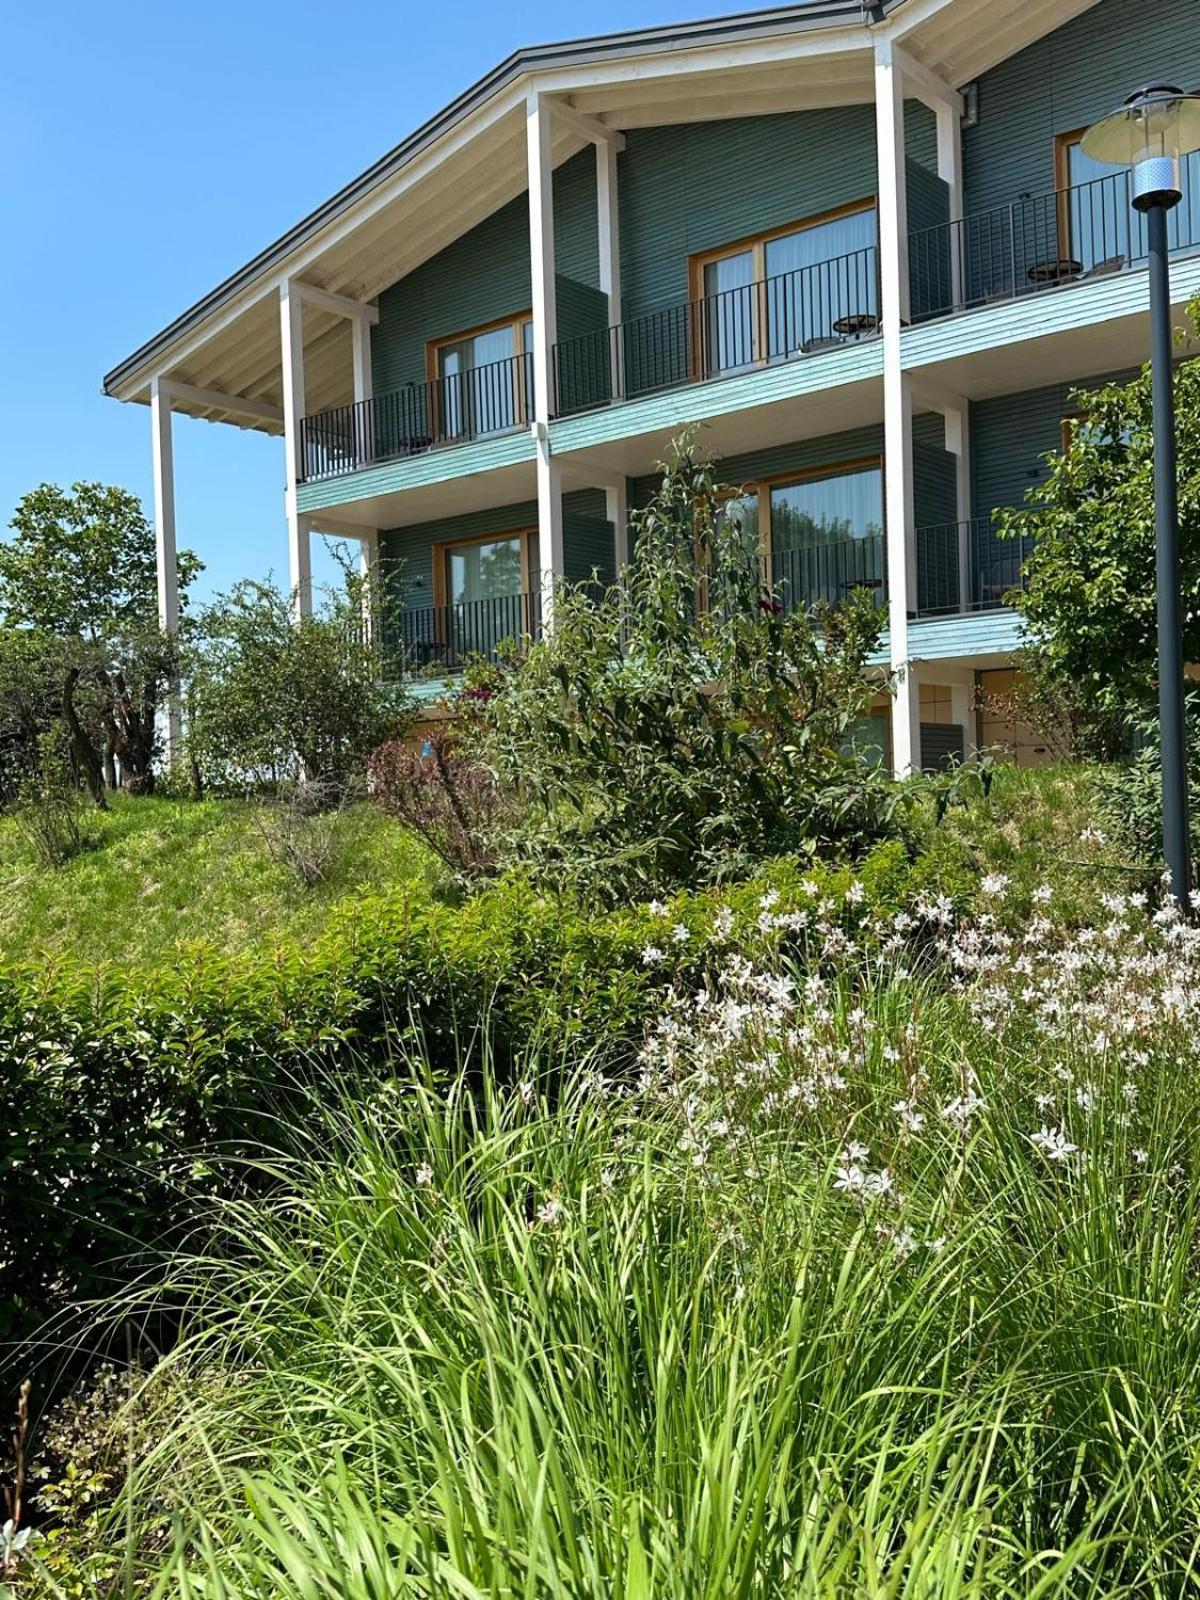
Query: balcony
[479,403]
[792,316]
[432,640]
[1040,242]
[994,568]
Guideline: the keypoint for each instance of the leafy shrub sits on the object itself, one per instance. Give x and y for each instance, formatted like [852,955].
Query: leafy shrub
[678,729]
[49,806]
[271,700]
[116,1082]
[1131,793]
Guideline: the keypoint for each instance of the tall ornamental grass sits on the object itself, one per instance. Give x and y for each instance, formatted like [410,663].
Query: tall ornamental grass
[880,1280]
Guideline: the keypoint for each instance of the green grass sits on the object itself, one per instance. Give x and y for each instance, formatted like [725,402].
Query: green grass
[402,1375]
[159,871]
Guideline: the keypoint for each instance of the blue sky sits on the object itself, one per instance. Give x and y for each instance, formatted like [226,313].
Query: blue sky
[147,150]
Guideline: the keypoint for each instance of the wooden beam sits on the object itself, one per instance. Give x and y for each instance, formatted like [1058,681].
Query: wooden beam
[589,128]
[237,405]
[926,85]
[336,303]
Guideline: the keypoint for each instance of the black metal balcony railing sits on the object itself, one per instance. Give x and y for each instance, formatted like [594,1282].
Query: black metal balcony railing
[796,313]
[432,639]
[994,567]
[828,572]
[474,404]
[1064,236]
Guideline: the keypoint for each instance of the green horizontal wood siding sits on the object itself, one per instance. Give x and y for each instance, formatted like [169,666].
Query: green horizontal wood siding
[1010,435]
[485,276]
[408,552]
[1066,80]
[692,187]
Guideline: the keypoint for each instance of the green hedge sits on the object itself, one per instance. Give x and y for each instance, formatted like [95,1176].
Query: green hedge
[114,1081]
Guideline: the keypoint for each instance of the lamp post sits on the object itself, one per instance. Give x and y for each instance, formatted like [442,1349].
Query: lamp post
[1151,132]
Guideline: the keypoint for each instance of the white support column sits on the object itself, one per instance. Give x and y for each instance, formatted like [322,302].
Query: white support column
[291,320]
[891,177]
[897,407]
[608,223]
[165,553]
[616,509]
[360,334]
[545,333]
[957,420]
[949,167]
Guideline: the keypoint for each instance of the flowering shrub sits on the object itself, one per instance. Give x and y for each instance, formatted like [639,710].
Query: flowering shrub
[879,1279]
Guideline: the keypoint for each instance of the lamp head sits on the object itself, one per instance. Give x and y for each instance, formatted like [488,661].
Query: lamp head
[1152,131]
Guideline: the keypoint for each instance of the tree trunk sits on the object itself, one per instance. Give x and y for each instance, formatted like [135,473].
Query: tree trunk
[83,751]
[130,732]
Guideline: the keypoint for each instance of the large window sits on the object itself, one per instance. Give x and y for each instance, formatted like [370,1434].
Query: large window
[481,591]
[483,378]
[788,292]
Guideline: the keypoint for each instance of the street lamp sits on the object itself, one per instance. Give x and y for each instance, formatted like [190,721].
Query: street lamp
[1153,130]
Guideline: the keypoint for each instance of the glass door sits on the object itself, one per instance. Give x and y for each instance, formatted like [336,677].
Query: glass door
[827,536]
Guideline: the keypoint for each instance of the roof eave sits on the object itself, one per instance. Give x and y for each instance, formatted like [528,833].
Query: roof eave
[524,62]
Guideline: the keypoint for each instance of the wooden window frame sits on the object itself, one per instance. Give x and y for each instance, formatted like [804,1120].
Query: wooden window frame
[434,347]
[787,480]
[442,547]
[1063,143]
[761,489]
[757,244]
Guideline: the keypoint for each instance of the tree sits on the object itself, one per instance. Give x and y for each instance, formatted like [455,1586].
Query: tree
[688,722]
[1090,602]
[80,570]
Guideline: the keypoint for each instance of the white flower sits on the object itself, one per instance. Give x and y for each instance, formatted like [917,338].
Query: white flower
[1053,1143]
[680,933]
[424,1175]
[608,1178]
[904,1243]
[855,894]
[911,1118]
[1085,1097]
[1140,1156]
[652,955]
[771,898]
[850,1178]
[656,908]
[723,923]
[550,1214]
[994,883]
[1042,893]
[525,1091]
